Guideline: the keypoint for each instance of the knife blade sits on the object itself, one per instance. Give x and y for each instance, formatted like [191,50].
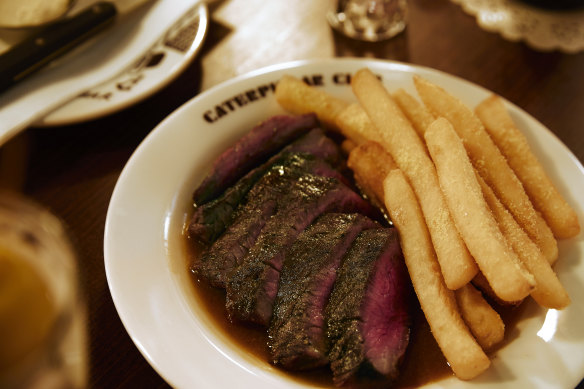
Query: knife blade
[39,49]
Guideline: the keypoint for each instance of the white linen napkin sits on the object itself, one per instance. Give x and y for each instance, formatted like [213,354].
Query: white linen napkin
[97,61]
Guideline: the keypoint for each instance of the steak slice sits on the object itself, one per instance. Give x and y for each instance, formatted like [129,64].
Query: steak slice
[367,316]
[215,263]
[226,253]
[252,287]
[296,332]
[212,218]
[252,149]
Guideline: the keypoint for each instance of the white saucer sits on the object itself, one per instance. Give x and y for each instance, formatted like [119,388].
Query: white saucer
[140,53]
[165,60]
[541,29]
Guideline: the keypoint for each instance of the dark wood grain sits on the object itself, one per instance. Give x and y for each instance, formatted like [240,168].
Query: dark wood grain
[73,169]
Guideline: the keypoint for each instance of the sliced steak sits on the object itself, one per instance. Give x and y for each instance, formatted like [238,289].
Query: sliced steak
[215,263]
[212,218]
[296,332]
[252,287]
[367,316]
[251,150]
[226,253]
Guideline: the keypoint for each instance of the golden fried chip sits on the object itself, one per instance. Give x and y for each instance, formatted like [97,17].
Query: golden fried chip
[370,164]
[463,353]
[558,214]
[414,110]
[484,322]
[297,97]
[354,124]
[396,135]
[472,216]
[548,291]
[489,162]
[347,146]
[481,283]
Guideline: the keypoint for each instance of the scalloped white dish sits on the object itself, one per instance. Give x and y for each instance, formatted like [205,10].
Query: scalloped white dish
[145,257]
[542,29]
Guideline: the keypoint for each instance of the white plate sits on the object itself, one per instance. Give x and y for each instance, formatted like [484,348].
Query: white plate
[162,63]
[144,253]
[108,72]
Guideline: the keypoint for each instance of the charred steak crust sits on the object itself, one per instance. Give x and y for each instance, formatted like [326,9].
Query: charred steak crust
[296,336]
[265,199]
[252,286]
[212,218]
[368,317]
[251,150]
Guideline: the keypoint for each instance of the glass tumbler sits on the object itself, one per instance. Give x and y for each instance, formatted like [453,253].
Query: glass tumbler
[369,20]
[42,316]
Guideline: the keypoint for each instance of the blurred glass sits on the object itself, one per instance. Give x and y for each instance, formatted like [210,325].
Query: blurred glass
[42,315]
[369,20]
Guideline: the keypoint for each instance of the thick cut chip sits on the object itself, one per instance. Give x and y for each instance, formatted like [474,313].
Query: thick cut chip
[370,164]
[489,162]
[396,135]
[354,124]
[463,353]
[558,214]
[484,322]
[549,291]
[477,226]
[417,112]
[347,145]
[297,97]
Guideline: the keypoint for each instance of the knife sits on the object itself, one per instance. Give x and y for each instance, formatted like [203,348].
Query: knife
[41,48]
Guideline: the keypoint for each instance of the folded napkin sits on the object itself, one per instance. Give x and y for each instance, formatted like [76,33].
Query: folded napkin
[96,61]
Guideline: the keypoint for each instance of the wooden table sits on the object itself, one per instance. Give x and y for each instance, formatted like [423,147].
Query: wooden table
[73,169]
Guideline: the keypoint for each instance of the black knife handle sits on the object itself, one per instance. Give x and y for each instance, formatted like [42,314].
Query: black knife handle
[39,49]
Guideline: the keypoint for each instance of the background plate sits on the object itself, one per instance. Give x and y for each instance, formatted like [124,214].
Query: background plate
[542,29]
[140,53]
[145,257]
[163,62]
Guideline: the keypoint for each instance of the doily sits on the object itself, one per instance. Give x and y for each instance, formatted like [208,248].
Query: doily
[542,29]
